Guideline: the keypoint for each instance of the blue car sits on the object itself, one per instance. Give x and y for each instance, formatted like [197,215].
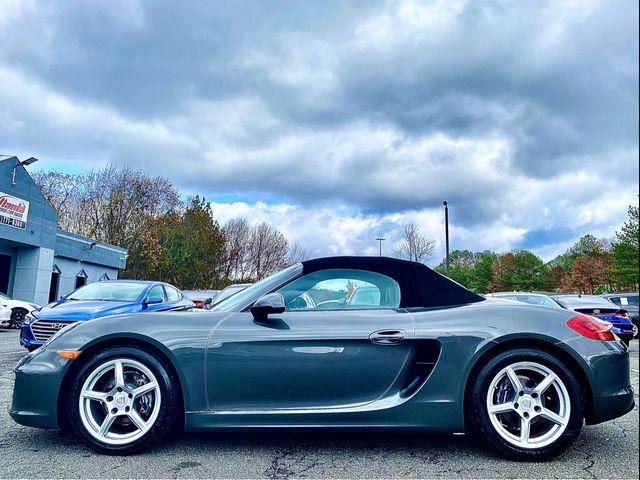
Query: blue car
[97,300]
[602,309]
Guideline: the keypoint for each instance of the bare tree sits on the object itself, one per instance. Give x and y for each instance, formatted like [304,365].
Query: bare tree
[267,252]
[253,252]
[62,191]
[237,233]
[415,246]
[296,254]
[108,204]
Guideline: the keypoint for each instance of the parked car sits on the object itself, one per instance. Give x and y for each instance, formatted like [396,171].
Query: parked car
[230,291]
[604,310]
[97,300]
[13,312]
[202,298]
[425,354]
[534,298]
[628,301]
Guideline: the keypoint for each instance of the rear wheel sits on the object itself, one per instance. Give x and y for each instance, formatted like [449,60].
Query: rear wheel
[527,405]
[123,400]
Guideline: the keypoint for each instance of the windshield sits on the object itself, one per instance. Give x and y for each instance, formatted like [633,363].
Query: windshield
[109,291]
[230,291]
[237,301]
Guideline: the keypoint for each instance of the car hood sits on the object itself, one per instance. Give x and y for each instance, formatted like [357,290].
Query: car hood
[83,310]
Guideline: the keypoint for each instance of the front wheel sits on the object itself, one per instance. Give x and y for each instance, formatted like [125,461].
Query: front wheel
[122,400]
[17,317]
[526,405]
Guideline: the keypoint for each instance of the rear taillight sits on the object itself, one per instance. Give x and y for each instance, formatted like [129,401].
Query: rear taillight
[591,328]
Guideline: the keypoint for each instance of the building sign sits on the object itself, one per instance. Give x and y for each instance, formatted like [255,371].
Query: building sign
[13,211]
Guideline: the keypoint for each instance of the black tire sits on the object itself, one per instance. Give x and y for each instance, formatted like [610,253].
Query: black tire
[17,317]
[479,418]
[168,413]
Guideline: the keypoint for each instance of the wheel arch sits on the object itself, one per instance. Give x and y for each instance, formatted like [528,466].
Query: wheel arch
[143,343]
[541,342]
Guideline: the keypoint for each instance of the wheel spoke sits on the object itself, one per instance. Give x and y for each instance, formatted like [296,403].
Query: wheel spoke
[93,395]
[119,373]
[545,383]
[138,421]
[554,417]
[513,378]
[501,408]
[106,425]
[524,431]
[147,387]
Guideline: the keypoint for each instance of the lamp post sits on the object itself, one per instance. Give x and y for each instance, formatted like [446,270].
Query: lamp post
[380,240]
[446,233]
[23,163]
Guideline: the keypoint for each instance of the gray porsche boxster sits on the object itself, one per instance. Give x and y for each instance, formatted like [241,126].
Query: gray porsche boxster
[355,342]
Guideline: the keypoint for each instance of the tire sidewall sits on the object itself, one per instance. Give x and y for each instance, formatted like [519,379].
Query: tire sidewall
[480,419]
[167,415]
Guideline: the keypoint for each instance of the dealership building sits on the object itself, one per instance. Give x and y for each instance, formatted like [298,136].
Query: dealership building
[38,261]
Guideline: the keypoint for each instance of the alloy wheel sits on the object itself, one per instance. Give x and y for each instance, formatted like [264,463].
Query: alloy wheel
[119,401]
[528,405]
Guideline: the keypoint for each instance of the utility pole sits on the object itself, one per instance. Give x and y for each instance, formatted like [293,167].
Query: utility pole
[380,240]
[446,232]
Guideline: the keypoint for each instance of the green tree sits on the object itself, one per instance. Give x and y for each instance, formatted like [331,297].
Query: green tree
[183,247]
[460,267]
[520,271]
[471,269]
[482,273]
[625,252]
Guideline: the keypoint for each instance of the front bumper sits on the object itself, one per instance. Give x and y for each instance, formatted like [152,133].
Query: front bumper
[35,392]
[27,338]
[5,318]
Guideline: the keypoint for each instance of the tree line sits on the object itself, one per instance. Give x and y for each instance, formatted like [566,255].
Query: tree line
[168,238]
[590,266]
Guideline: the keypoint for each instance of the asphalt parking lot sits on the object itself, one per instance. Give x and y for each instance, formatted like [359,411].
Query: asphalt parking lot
[608,450]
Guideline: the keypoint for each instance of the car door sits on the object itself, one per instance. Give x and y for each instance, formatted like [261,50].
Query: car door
[320,353]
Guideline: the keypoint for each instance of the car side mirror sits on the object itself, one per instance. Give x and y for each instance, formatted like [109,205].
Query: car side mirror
[264,306]
[153,300]
[208,301]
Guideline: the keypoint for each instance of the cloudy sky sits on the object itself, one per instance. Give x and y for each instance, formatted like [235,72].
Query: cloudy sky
[338,121]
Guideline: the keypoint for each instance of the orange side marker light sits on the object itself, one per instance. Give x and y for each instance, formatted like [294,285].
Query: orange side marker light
[69,354]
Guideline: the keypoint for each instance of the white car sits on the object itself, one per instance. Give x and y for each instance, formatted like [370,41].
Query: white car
[12,312]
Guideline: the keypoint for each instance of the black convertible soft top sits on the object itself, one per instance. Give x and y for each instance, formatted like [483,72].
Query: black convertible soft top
[420,285]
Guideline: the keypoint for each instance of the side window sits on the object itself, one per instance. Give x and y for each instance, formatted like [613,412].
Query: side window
[173,295]
[157,291]
[342,289]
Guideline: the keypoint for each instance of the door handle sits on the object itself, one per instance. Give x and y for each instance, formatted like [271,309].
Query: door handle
[388,337]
